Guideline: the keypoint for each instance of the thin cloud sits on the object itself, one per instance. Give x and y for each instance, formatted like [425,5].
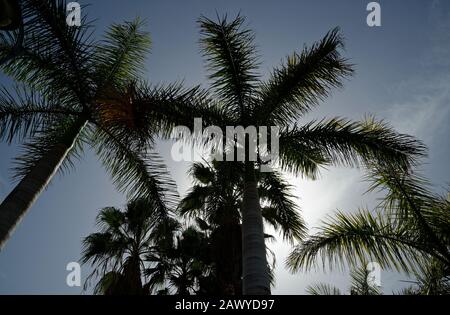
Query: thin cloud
[426,114]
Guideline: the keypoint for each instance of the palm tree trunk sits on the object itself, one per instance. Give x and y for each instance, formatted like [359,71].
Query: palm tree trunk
[256,280]
[132,274]
[16,204]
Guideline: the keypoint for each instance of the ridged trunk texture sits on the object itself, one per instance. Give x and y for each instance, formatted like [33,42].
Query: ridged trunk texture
[256,280]
[23,196]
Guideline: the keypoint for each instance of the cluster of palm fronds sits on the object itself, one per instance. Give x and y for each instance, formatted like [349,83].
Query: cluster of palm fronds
[409,231]
[361,284]
[76,92]
[138,252]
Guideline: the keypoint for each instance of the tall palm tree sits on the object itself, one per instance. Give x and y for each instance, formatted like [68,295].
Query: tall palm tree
[410,231]
[292,90]
[216,201]
[74,92]
[118,252]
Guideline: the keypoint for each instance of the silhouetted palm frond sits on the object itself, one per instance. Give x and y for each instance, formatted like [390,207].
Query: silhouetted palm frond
[323,289]
[408,232]
[230,54]
[305,79]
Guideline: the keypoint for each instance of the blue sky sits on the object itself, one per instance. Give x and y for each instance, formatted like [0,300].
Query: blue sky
[402,75]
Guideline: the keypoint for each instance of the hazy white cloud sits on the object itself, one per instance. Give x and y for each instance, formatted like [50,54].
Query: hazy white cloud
[439,16]
[425,115]
[422,107]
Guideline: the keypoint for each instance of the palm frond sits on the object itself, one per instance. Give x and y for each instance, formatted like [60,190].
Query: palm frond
[129,244]
[360,283]
[101,248]
[135,171]
[432,278]
[202,173]
[405,191]
[110,219]
[230,55]
[344,142]
[111,283]
[282,211]
[63,141]
[193,204]
[55,57]
[303,81]
[25,113]
[323,289]
[120,57]
[408,199]
[354,239]
[140,111]
[298,158]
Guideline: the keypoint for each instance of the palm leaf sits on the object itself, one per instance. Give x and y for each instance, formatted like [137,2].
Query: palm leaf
[345,142]
[354,239]
[56,59]
[120,57]
[282,211]
[360,284]
[230,55]
[303,81]
[25,113]
[323,289]
[67,133]
[136,171]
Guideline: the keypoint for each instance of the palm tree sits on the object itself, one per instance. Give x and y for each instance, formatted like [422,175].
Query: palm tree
[118,252]
[75,92]
[408,232]
[182,267]
[360,285]
[215,201]
[191,263]
[292,90]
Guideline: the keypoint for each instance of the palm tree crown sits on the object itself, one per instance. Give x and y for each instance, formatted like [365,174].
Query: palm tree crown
[126,239]
[292,90]
[76,92]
